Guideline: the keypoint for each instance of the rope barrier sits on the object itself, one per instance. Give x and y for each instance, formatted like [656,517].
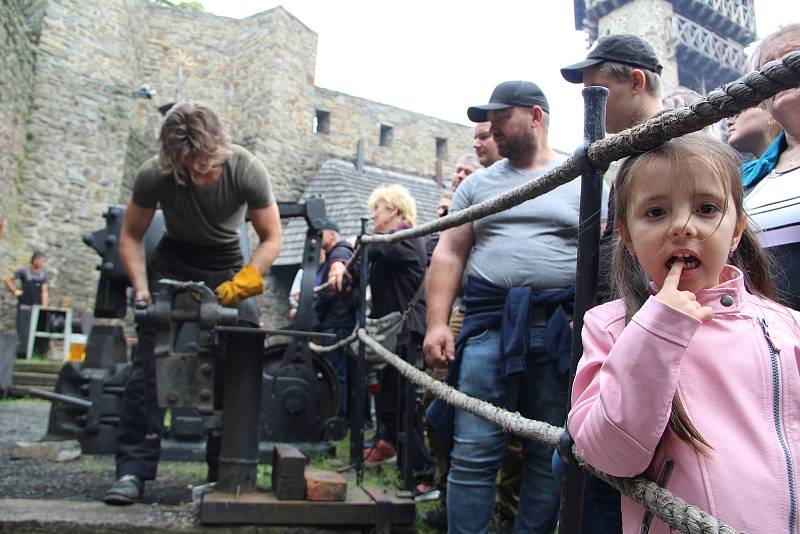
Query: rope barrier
[674,511]
[743,93]
[747,91]
[322,349]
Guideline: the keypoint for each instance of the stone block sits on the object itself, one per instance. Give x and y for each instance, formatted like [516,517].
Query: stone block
[288,462]
[325,485]
[53,451]
[289,488]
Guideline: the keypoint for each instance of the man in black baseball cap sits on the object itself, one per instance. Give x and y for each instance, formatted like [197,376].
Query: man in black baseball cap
[503,272]
[629,68]
[520,117]
[508,94]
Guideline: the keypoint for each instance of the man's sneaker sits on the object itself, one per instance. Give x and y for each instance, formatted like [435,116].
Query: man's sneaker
[437,518]
[127,490]
[425,492]
[382,452]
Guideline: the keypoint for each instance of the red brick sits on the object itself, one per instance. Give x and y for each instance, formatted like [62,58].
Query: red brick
[325,485]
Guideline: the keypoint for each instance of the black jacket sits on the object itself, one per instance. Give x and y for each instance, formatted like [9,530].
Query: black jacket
[335,310]
[398,270]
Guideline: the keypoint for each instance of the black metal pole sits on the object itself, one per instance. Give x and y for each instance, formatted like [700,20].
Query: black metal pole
[406,397]
[358,388]
[244,357]
[594,101]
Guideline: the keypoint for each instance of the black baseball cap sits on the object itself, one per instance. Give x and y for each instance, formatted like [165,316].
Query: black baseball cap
[509,94]
[328,224]
[622,48]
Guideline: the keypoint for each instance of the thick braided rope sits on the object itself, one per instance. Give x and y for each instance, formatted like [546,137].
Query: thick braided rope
[322,349]
[672,510]
[733,97]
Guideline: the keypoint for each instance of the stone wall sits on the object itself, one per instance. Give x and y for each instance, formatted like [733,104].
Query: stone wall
[412,148]
[75,141]
[649,19]
[87,133]
[20,24]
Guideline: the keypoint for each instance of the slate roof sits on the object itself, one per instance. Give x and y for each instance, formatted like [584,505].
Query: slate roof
[346,191]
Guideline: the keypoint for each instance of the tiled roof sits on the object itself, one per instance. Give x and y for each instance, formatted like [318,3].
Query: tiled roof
[346,191]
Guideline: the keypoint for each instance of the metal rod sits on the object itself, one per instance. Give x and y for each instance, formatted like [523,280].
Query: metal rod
[594,102]
[270,332]
[359,380]
[49,395]
[243,371]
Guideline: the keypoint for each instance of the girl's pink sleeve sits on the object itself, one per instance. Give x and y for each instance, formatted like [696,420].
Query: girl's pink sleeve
[622,394]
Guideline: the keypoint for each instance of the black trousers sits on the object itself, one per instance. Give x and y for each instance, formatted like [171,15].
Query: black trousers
[141,423]
[389,411]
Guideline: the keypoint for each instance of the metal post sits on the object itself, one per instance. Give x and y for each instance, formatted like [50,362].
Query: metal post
[238,462]
[594,126]
[407,392]
[359,380]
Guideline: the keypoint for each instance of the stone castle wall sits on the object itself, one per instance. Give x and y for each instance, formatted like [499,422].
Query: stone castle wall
[86,134]
[650,20]
[20,25]
[413,146]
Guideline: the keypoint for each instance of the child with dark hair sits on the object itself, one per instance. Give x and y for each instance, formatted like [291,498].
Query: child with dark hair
[691,378]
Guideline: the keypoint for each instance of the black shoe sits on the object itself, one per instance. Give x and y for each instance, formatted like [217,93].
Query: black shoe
[437,518]
[127,490]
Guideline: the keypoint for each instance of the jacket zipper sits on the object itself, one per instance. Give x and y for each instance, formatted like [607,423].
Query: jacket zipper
[776,413]
[647,520]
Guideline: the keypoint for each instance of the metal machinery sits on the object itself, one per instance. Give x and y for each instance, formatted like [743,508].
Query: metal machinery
[300,392]
[89,393]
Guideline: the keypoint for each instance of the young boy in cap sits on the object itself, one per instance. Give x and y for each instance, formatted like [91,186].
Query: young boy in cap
[628,67]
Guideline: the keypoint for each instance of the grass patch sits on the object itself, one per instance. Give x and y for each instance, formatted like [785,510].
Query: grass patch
[23,400]
[93,466]
[190,470]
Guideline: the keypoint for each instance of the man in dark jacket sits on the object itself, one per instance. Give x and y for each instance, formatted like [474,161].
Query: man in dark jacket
[336,313]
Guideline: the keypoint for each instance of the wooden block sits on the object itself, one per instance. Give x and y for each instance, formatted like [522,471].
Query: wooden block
[325,485]
[290,489]
[287,462]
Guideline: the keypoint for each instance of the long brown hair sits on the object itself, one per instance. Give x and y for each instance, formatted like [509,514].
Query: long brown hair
[629,281]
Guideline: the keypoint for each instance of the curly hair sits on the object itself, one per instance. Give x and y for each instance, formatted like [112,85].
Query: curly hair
[398,198]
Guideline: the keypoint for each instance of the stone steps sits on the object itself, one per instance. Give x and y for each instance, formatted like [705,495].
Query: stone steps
[36,374]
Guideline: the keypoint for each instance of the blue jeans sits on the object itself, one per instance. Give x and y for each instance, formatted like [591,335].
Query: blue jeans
[338,360]
[541,394]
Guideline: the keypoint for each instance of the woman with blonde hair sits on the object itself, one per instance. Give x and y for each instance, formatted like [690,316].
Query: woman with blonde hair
[397,281]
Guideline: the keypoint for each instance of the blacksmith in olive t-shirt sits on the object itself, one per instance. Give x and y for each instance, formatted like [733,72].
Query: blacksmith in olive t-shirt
[203,184]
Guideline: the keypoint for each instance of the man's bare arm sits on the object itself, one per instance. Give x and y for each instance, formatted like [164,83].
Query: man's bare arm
[9,282]
[444,281]
[45,295]
[267,224]
[131,248]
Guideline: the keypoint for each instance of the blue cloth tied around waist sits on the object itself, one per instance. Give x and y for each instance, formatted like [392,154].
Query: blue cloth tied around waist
[488,307]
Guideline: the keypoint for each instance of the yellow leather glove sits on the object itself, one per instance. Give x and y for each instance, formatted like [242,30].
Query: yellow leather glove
[246,283]
[18,293]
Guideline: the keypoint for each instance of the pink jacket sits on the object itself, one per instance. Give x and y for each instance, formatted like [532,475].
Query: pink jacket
[738,377]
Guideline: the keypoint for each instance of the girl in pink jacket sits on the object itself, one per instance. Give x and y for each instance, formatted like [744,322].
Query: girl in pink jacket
[691,377]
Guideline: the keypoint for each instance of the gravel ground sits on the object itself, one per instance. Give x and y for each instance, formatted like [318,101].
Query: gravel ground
[84,479]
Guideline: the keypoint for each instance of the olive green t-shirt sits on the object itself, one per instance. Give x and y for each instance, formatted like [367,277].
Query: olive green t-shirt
[205,215]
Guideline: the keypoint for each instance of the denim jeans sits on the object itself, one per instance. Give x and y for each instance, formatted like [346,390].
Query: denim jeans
[541,394]
[338,360]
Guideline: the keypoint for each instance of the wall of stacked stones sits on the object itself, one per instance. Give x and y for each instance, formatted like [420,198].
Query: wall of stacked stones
[20,23]
[651,20]
[86,133]
[412,148]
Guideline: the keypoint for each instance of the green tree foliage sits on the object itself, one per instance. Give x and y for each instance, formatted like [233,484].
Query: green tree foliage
[195,6]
